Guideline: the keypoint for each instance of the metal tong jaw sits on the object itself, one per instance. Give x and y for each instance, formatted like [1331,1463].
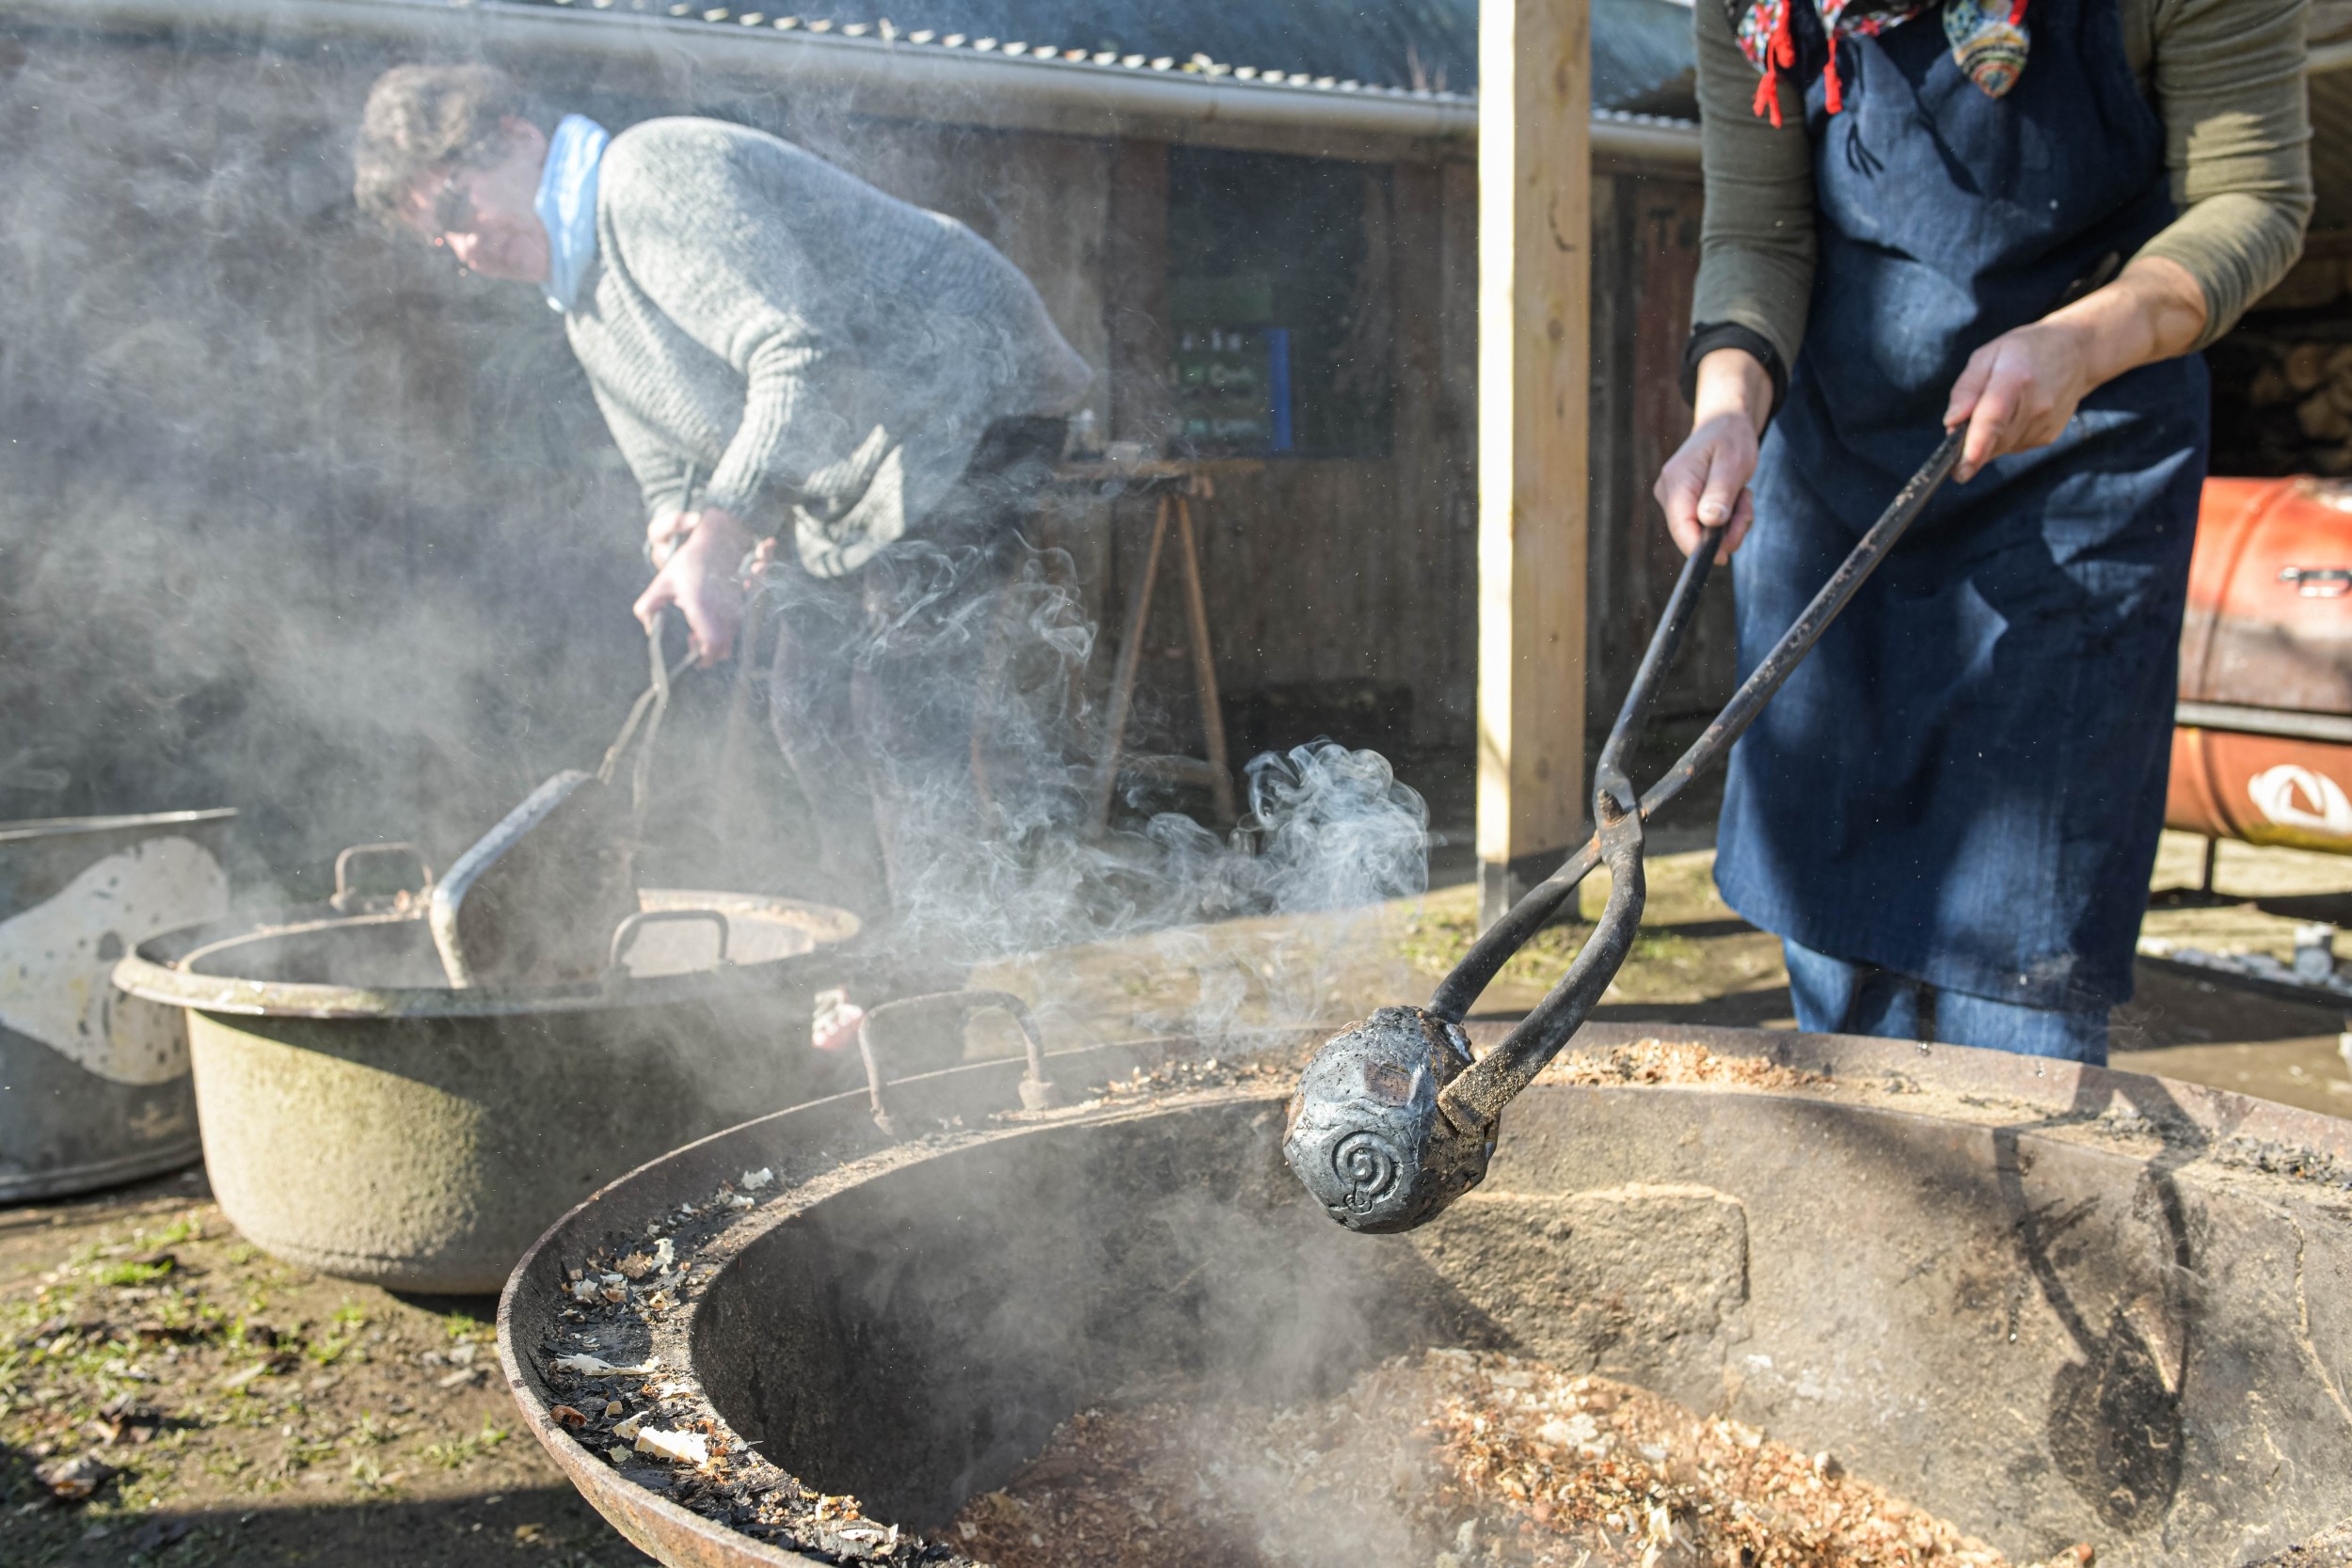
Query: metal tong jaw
[1393,1119]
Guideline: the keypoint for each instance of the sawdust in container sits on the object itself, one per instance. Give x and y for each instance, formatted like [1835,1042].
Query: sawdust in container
[1451,1459]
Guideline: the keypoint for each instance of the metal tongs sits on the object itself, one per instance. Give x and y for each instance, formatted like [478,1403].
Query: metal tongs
[1393,1119]
[539,898]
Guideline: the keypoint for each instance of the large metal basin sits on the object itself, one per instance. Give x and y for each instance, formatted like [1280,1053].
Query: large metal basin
[2053,1304]
[363,1118]
[94,1086]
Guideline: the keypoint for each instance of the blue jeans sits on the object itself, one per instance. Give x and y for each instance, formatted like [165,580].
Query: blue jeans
[1835,997]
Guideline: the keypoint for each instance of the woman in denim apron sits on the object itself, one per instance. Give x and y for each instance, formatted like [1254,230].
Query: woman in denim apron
[1950,812]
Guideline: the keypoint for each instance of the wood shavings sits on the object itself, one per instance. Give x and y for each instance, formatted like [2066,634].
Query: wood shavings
[1453,1459]
[678,1447]
[596,1366]
[1656,1061]
[76,1479]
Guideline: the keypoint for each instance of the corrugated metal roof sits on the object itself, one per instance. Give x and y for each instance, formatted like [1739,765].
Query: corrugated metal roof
[1641,48]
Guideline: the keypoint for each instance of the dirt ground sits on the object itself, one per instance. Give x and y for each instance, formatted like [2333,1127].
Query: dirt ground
[248,1412]
[255,1413]
[1696,961]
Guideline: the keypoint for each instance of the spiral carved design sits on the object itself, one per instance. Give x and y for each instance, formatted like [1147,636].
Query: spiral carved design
[1369,1166]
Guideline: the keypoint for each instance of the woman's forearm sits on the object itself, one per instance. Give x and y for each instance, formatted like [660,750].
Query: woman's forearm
[1730,381]
[2154,310]
[2019,391]
[1705,483]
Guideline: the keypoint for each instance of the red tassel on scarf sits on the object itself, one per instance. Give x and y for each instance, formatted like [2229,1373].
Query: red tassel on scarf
[1780,53]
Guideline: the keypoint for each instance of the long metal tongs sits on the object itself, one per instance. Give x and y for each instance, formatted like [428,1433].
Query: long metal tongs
[536,899]
[1393,1119]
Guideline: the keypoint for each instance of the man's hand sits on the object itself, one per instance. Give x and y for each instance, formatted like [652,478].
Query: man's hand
[2020,390]
[1705,483]
[665,532]
[699,578]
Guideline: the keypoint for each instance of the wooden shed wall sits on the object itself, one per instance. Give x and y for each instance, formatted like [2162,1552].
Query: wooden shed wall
[1350,582]
[296,518]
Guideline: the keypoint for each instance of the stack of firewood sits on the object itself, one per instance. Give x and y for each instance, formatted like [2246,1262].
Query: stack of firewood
[2317,380]
[2283,405]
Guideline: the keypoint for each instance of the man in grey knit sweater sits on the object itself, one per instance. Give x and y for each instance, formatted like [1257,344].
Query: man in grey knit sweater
[818,387]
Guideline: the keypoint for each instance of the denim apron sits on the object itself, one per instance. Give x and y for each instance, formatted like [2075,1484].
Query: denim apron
[1965,782]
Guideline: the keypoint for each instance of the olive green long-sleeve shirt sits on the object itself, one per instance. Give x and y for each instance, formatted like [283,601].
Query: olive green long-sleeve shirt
[2225,76]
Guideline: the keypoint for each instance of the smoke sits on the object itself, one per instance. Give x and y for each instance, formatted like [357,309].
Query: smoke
[291,518]
[1322,827]
[990,792]
[295,517]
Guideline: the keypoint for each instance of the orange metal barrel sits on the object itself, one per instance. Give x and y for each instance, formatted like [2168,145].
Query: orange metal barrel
[2262,746]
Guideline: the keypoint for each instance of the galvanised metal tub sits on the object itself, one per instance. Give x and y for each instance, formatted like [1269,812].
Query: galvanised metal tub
[93,1084]
[364,1119]
[2052,1303]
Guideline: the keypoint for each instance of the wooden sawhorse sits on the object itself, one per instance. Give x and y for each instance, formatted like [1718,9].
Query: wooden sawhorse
[1177,485]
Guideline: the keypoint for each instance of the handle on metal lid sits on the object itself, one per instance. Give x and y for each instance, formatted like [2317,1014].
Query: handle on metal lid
[952,1009]
[625,934]
[347,898]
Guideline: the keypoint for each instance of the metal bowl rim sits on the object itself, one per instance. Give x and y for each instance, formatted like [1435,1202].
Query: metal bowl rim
[30,829]
[1971,1076]
[151,972]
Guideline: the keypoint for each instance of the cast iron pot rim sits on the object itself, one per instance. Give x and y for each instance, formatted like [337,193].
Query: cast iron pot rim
[151,972]
[1968,1079]
[29,829]
[616,1497]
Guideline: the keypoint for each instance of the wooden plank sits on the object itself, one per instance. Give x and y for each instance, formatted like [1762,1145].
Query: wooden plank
[1435,485]
[1134,293]
[1617,493]
[1122,693]
[1645,233]
[1535,177]
[1221,770]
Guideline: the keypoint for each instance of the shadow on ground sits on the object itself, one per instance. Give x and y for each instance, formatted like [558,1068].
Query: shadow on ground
[544,1527]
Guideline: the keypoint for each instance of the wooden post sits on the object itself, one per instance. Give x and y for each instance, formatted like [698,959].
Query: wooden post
[1134,294]
[1534,285]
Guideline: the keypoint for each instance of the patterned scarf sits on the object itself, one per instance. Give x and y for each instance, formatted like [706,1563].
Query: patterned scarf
[1988,37]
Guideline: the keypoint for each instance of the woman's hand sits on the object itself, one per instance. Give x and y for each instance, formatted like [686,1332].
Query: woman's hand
[1705,483]
[2020,390]
[699,578]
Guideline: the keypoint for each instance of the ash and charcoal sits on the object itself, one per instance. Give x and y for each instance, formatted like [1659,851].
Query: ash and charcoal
[618,1398]
[621,1398]
[1184,1076]
[1455,1459]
